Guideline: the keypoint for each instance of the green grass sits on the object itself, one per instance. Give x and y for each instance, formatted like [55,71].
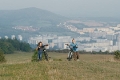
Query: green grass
[90,67]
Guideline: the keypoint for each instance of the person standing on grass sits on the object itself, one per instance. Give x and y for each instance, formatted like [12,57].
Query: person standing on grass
[74,46]
[40,50]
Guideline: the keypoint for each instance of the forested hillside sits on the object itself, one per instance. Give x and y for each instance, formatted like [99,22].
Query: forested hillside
[8,46]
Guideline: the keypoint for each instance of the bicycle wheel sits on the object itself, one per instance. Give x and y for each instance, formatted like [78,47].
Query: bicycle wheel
[69,56]
[46,56]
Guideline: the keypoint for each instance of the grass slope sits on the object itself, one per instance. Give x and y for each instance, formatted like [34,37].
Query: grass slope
[90,67]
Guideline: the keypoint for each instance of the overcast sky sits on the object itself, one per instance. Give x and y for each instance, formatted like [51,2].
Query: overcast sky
[78,8]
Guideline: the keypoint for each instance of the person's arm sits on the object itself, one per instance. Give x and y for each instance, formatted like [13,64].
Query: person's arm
[44,46]
[37,48]
[71,46]
[76,46]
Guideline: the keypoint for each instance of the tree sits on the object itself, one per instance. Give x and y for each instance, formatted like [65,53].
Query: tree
[117,54]
[2,57]
[9,46]
[25,47]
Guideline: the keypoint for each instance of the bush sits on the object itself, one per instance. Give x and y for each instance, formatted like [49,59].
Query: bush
[117,54]
[2,57]
[35,56]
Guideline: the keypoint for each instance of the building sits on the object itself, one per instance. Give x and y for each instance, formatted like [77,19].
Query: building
[97,34]
[113,48]
[88,29]
[20,37]
[6,37]
[12,36]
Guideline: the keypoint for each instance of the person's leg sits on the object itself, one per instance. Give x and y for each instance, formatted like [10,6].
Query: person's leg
[75,56]
[40,55]
[77,53]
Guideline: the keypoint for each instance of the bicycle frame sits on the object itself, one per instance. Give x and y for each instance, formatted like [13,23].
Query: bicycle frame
[70,54]
[45,54]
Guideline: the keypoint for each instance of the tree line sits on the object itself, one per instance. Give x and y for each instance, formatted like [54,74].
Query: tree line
[8,46]
[81,52]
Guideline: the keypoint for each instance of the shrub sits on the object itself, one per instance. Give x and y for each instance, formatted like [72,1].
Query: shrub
[117,54]
[35,56]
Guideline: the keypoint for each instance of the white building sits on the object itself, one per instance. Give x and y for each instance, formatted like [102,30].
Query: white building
[6,37]
[83,39]
[111,36]
[12,36]
[88,29]
[20,37]
[104,29]
[97,34]
[98,44]
[116,28]
[113,48]
[88,49]
[118,42]
[34,40]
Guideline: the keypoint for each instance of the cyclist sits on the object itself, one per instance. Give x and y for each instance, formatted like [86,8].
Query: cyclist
[74,47]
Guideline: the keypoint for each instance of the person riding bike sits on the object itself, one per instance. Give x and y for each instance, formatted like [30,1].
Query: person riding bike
[74,47]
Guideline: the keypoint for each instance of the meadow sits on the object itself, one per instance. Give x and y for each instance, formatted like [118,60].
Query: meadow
[90,67]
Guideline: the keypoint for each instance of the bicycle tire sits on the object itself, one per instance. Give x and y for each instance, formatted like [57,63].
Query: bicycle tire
[70,56]
[46,56]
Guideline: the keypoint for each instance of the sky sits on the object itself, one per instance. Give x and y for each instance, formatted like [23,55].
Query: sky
[70,8]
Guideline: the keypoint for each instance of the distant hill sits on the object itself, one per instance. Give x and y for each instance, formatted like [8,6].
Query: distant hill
[45,22]
[29,17]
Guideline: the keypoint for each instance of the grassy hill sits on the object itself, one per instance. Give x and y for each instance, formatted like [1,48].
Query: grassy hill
[90,67]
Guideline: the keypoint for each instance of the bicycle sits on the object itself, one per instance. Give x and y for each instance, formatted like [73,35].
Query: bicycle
[70,54]
[45,53]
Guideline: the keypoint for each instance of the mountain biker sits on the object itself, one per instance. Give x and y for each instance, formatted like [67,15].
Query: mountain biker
[74,46]
[40,48]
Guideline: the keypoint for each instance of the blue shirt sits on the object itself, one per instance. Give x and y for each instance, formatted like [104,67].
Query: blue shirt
[74,47]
